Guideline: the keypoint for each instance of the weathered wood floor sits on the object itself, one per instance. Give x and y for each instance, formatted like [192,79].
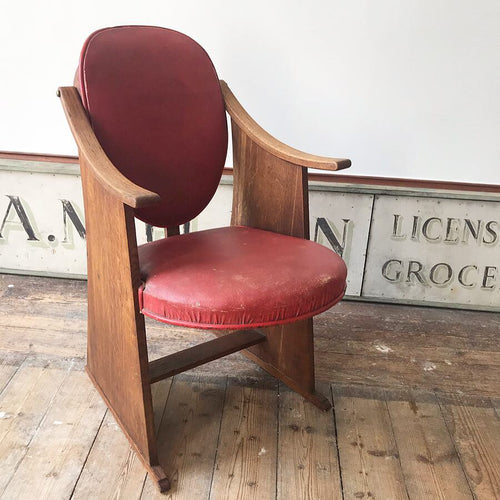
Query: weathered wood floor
[416,414]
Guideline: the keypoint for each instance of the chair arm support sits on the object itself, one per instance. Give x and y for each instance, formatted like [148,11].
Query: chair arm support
[265,140]
[104,171]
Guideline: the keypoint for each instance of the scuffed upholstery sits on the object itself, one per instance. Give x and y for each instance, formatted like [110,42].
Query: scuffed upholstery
[154,101]
[237,277]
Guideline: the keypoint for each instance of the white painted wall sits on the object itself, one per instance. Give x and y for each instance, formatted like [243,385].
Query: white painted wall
[403,88]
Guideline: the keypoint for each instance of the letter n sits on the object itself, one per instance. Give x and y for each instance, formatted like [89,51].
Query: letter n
[337,245]
[69,211]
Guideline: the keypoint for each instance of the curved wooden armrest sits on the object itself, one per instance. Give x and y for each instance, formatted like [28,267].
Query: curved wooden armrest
[251,128]
[102,168]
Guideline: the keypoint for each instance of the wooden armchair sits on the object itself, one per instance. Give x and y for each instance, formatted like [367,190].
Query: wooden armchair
[148,116]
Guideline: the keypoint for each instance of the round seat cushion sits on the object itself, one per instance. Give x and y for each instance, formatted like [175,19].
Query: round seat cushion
[237,277]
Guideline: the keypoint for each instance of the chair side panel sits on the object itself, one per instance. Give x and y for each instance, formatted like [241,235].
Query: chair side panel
[116,344]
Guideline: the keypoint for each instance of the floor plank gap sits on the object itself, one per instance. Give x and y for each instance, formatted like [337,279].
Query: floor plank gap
[87,457]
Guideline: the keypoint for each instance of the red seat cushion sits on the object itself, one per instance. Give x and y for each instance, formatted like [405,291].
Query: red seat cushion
[238,277]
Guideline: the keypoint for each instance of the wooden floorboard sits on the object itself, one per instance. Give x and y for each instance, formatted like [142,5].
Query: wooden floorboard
[245,465]
[476,433]
[187,438]
[55,456]
[415,392]
[308,465]
[112,469]
[380,345]
[369,456]
[430,463]
[7,371]
[23,406]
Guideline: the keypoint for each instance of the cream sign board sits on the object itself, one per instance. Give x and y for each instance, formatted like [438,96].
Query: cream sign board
[434,250]
[400,245]
[42,224]
[42,229]
[341,221]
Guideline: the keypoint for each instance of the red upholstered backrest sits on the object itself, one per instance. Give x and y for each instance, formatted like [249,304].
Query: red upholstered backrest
[155,104]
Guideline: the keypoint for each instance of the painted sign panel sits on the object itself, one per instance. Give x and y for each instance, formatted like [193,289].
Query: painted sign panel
[341,221]
[41,223]
[43,227]
[434,250]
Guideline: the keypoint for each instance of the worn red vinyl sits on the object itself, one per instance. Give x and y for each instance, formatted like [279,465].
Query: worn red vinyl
[238,277]
[155,104]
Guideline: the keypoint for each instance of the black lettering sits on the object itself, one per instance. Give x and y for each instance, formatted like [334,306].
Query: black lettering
[425,228]
[69,211]
[474,231]
[462,275]
[338,247]
[414,229]
[23,217]
[385,270]
[396,229]
[452,226]
[434,271]
[415,268]
[487,276]
[489,229]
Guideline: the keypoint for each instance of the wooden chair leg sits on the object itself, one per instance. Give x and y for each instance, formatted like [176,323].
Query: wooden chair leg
[119,371]
[288,354]
[150,462]
[117,357]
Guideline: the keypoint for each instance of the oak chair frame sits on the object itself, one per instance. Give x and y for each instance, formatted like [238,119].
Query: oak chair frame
[270,192]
